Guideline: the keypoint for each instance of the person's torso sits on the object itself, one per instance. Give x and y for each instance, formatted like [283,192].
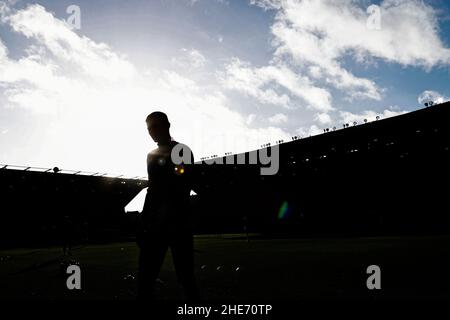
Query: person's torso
[169,188]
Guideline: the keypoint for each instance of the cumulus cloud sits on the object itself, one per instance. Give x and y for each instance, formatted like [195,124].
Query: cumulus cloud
[278,118]
[92,58]
[88,98]
[309,131]
[314,40]
[88,101]
[192,58]
[267,4]
[250,118]
[320,34]
[275,84]
[349,117]
[323,118]
[433,96]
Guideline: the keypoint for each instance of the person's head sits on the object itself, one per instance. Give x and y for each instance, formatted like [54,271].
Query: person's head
[158,126]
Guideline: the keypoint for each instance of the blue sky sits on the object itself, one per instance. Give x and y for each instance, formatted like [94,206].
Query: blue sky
[230,74]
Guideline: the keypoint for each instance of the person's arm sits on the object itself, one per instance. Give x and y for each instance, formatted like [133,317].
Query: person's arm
[146,208]
[191,172]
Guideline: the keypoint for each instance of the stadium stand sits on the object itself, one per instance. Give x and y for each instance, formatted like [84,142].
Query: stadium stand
[36,202]
[386,176]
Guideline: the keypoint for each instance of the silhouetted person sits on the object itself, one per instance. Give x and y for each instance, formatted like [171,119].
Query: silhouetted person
[166,214]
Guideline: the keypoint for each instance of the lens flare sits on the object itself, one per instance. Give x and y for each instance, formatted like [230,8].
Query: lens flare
[179,170]
[284,210]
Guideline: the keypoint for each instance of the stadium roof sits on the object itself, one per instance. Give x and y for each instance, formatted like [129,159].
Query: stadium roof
[65,171]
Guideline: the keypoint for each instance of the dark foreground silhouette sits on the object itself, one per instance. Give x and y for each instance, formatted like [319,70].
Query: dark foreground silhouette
[166,215]
[383,177]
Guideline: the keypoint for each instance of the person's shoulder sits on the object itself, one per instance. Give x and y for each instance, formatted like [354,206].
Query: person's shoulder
[152,154]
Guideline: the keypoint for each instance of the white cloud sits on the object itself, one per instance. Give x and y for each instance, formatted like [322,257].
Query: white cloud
[310,131]
[192,58]
[318,38]
[369,115]
[312,39]
[278,118]
[430,95]
[321,33]
[267,4]
[93,59]
[3,52]
[250,119]
[323,118]
[261,83]
[89,102]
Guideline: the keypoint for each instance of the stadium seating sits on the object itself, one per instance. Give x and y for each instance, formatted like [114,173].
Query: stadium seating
[386,176]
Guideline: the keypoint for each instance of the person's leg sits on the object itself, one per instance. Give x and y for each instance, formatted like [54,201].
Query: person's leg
[151,258]
[183,257]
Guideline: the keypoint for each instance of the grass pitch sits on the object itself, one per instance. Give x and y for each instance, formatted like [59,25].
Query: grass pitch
[228,268]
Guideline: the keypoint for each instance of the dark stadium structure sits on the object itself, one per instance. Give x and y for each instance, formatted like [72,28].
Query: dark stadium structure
[387,176]
[382,177]
[36,205]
